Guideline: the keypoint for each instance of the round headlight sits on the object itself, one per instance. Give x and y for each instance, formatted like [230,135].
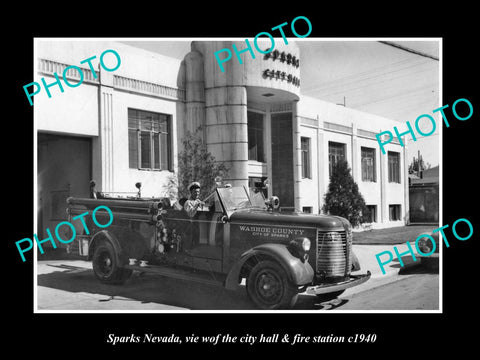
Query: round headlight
[300,248]
[306,244]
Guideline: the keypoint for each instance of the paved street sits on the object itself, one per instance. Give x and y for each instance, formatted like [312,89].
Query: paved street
[70,285]
[413,292]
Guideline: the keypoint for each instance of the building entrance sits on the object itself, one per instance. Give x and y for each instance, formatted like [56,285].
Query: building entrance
[282,158]
[64,169]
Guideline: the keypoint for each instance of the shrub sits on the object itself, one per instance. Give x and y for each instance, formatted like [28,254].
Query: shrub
[343,198]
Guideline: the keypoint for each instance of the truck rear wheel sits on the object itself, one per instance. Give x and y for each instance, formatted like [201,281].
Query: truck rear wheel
[269,288]
[106,267]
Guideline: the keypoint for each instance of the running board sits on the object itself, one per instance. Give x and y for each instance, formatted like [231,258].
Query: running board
[182,274]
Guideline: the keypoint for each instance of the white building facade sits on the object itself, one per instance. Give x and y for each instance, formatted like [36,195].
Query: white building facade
[336,132]
[125,126]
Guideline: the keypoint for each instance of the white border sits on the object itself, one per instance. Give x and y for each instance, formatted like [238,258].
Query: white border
[292,312]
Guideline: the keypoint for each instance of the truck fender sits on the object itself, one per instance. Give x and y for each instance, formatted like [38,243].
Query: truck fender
[299,273]
[105,235]
[355,263]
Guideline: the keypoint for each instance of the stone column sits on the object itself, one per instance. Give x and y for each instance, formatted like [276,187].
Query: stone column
[355,162]
[227,130]
[268,148]
[195,93]
[297,156]
[322,166]
[406,189]
[102,147]
[384,216]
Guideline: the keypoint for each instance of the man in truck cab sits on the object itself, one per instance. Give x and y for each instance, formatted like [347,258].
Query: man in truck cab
[194,203]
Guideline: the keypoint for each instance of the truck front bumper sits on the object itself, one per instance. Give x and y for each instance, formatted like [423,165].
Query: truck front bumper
[354,280]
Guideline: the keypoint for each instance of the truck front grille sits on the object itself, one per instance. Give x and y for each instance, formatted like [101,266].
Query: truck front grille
[334,253]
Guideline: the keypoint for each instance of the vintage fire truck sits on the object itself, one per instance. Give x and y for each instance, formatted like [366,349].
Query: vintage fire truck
[237,238]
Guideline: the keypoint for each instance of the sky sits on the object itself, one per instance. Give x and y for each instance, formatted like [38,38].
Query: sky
[379,79]
[366,75]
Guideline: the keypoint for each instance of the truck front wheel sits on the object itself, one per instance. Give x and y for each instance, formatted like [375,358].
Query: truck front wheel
[106,267]
[269,288]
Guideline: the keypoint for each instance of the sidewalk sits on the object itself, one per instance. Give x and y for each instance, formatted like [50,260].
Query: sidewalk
[392,236]
[368,261]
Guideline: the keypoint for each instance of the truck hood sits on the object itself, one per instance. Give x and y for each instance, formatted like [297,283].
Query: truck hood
[254,216]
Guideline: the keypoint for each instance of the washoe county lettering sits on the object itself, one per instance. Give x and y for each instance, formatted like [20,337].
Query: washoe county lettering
[59,225]
[381,137]
[255,42]
[37,87]
[420,248]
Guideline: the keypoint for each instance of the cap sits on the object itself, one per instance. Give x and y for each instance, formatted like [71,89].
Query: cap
[194,185]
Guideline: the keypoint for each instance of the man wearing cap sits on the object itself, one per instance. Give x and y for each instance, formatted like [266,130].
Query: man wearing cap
[191,205]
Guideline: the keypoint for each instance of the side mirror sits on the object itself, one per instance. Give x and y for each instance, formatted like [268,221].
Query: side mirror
[224,219]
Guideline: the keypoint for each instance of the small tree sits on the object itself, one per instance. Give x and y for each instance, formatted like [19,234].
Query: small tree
[343,198]
[418,164]
[170,189]
[196,163]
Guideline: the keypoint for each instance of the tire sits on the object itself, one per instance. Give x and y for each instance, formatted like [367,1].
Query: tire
[330,296]
[106,267]
[269,288]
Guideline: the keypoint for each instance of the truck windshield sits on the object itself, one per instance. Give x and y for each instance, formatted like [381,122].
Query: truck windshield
[234,198]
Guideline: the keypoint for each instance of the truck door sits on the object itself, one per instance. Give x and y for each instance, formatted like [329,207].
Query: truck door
[207,236]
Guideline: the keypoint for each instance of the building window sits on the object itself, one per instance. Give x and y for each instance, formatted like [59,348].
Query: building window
[394,167]
[305,146]
[255,136]
[372,213]
[307,209]
[368,164]
[149,140]
[336,152]
[395,212]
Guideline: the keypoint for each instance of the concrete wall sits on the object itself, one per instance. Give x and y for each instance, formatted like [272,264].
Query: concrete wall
[73,112]
[98,108]
[135,63]
[323,122]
